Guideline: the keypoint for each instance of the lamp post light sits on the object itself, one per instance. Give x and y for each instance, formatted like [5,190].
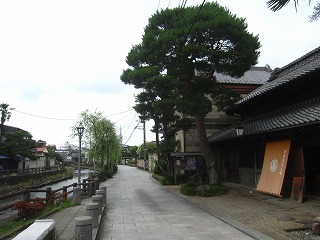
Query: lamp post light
[239,130]
[80,130]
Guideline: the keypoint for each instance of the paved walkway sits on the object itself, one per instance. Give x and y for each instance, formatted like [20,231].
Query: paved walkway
[138,208]
[65,219]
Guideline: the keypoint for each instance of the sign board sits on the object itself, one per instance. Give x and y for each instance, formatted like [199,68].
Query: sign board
[297,189]
[274,167]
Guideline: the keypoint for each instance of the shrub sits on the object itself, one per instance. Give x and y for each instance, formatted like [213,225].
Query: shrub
[132,162]
[28,209]
[182,178]
[107,172]
[167,180]
[189,189]
[211,190]
[57,197]
[160,167]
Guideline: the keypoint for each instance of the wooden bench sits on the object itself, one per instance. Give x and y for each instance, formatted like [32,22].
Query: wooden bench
[39,230]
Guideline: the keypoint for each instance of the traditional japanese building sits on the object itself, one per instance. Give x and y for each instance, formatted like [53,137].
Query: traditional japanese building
[280,146]
[188,155]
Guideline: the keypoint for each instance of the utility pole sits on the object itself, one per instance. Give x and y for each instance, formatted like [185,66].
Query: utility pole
[144,146]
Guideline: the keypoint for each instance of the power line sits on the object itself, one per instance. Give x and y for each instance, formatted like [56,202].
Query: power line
[183,4]
[132,133]
[63,119]
[193,21]
[119,113]
[51,118]
[169,3]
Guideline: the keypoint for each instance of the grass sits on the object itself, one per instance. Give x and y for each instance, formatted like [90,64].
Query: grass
[12,227]
[34,181]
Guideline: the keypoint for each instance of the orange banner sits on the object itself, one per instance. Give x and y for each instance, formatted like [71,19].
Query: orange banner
[274,167]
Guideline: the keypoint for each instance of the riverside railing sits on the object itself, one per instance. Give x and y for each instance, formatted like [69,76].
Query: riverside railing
[89,186]
[30,171]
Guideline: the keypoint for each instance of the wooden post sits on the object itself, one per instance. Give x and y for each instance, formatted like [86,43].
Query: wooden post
[90,188]
[26,194]
[48,195]
[64,192]
[84,186]
[96,183]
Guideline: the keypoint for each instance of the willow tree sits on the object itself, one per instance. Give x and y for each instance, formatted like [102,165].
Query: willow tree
[101,138]
[188,45]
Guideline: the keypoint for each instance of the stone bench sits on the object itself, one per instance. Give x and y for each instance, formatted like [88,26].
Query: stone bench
[39,230]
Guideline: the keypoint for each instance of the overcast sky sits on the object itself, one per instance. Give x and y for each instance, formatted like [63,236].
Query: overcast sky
[61,57]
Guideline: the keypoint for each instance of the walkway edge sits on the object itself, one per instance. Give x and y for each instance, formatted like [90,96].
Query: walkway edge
[239,226]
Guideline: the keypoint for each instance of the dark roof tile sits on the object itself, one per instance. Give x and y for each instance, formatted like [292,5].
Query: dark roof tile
[291,72]
[255,76]
[307,112]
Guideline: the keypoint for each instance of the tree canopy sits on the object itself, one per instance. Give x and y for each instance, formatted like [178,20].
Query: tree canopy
[18,143]
[181,49]
[5,116]
[101,138]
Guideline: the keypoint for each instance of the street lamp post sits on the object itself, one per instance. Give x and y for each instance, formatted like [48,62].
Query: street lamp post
[80,130]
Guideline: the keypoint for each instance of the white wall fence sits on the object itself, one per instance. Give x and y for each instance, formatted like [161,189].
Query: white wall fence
[150,162]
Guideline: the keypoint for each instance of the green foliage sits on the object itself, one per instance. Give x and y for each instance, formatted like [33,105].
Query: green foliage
[211,190]
[167,180]
[175,64]
[107,172]
[15,225]
[101,137]
[132,162]
[18,143]
[218,41]
[54,155]
[160,167]
[276,5]
[5,116]
[189,189]
[134,151]
[182,178]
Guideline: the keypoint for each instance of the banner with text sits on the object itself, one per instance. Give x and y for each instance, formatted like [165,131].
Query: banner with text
[274,167]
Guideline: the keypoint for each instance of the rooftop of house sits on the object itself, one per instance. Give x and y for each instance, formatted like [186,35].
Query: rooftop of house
[7,128]
[303,66]
[254,76]
[41,149]
[299,114]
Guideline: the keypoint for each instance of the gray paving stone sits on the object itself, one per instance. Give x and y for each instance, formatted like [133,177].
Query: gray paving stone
[139,208]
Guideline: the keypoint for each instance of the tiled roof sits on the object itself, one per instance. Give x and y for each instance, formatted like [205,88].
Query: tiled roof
[303,66]
[304,113]
[41,149]
[7,128]
[256,76]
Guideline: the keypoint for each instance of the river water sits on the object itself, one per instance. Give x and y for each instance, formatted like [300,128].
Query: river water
[85,173]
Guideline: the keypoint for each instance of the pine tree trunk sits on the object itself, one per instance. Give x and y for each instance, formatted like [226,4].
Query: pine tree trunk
[206,151]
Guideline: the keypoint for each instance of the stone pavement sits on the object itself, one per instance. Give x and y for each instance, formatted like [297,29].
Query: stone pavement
[276,217]
[65,219]
[139,208]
